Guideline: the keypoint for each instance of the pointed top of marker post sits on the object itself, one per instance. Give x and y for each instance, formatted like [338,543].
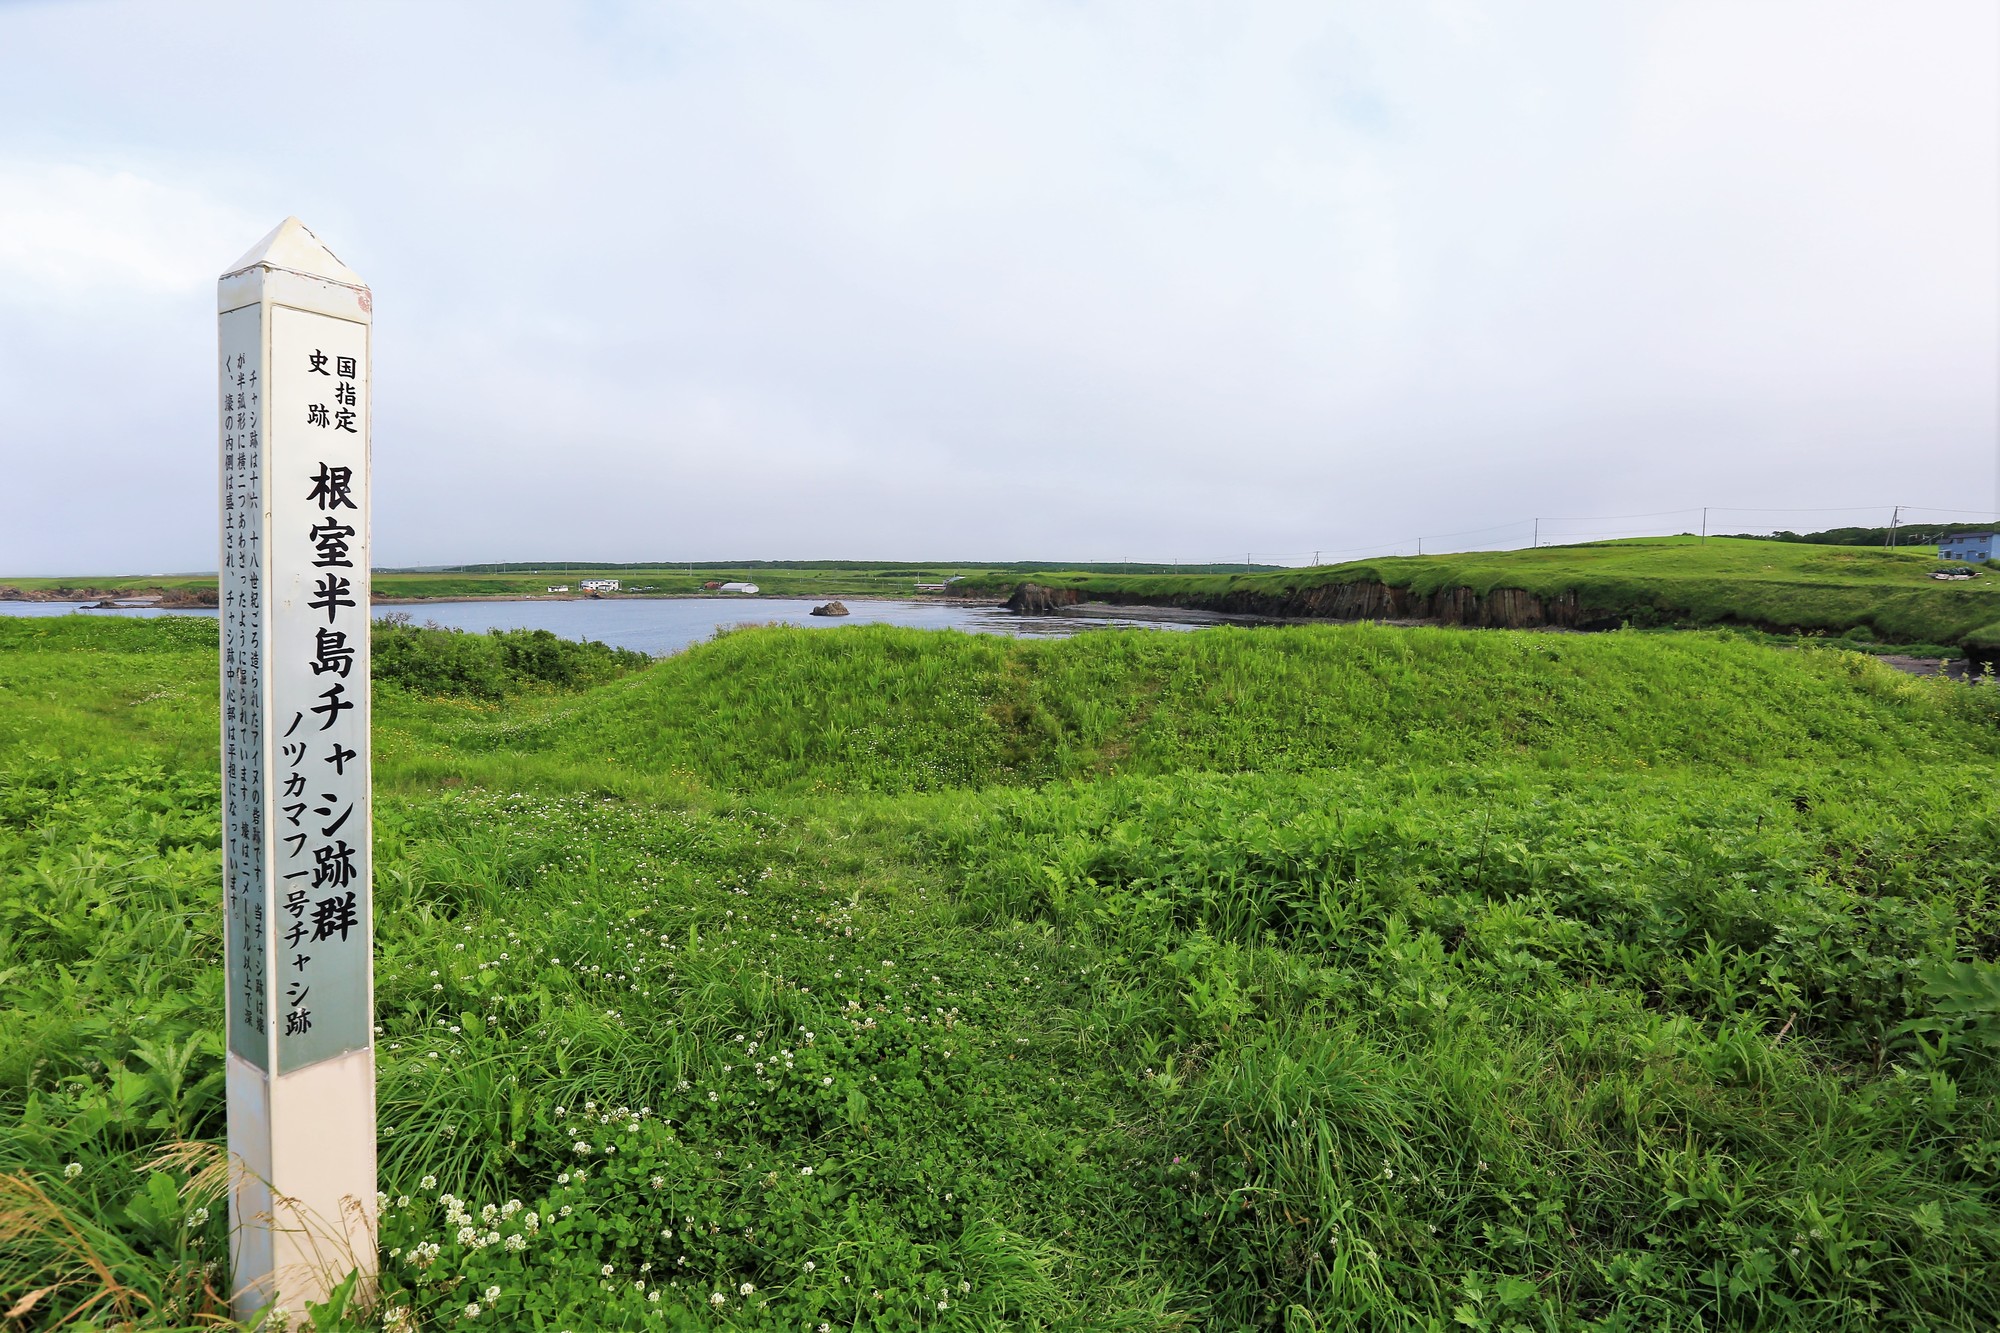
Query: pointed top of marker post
[292,246]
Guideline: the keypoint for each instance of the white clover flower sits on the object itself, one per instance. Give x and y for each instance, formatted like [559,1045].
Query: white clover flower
[811,1266]
[509,1208]
[659,1182]
[199,1217]
[826,1082]
[73,1170]
[606,1270]
[964,1288]
[472,1310]
[745,1289]
[718,1299]
[805,1170]
[493,1293]
[654,1295]
[402,1201]
[488,1213]
[532,1222]
[398,1319]
[516,1244]
[428,1182]
[491,1238]
[563,1179]
[565,1210]
[467,1235]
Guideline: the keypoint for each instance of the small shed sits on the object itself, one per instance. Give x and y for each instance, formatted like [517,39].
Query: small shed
[1971,547]
[739,587]
[558,587]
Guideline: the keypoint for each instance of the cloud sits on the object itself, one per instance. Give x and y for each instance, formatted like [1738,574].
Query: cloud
[901,278]
[73,232]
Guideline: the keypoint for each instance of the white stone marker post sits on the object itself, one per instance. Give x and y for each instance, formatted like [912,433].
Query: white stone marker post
[299,934]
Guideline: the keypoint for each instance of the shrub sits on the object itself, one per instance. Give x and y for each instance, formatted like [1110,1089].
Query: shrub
[430,659]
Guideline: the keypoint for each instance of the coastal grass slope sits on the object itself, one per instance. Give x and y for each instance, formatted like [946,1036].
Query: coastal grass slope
[1788,587]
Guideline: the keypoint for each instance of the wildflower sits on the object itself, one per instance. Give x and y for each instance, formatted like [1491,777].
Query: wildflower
[606,1270]
[826,1082]
[429,1182]
[563,1179]
[532,1222]
[565,1210]
[805,1170]
[199,1217]
[73,1170]
[810,1265]
[964,1288]
[472,1310]
[493,1293]
[509,1208]
[516,1244]
[490,1238]
[745,1289]
[718,1299]
[398,1319]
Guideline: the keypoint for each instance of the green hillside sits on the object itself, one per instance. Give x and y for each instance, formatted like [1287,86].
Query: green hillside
[1324,977]
[879,708]
[1779,585]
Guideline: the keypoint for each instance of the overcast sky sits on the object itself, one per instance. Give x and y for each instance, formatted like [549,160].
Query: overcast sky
[995,281]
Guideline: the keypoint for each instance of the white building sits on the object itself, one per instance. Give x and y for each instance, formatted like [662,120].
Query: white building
[599,585]
[739,587]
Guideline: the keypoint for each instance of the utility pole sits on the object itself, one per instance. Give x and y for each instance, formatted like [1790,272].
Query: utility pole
[1895,517]
[1420,546]
[1704,525]
[1538,534]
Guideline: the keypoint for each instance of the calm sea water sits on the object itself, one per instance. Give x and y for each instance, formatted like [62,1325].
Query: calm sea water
[669,624]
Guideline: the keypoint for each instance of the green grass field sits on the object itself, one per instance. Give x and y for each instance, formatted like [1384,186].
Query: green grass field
[1305,979]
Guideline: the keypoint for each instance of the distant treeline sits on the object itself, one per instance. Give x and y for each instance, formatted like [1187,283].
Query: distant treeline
[898,568]
[1908,535]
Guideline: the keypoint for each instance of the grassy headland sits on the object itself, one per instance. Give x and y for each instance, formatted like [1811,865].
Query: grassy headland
[1657,581]
[1315,978]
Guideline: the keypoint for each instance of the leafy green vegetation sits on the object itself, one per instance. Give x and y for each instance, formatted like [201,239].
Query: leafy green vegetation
[429,659]
[1315,978]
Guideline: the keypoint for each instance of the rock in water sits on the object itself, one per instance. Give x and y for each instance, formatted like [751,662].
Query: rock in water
[831,609]
[1033,599]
